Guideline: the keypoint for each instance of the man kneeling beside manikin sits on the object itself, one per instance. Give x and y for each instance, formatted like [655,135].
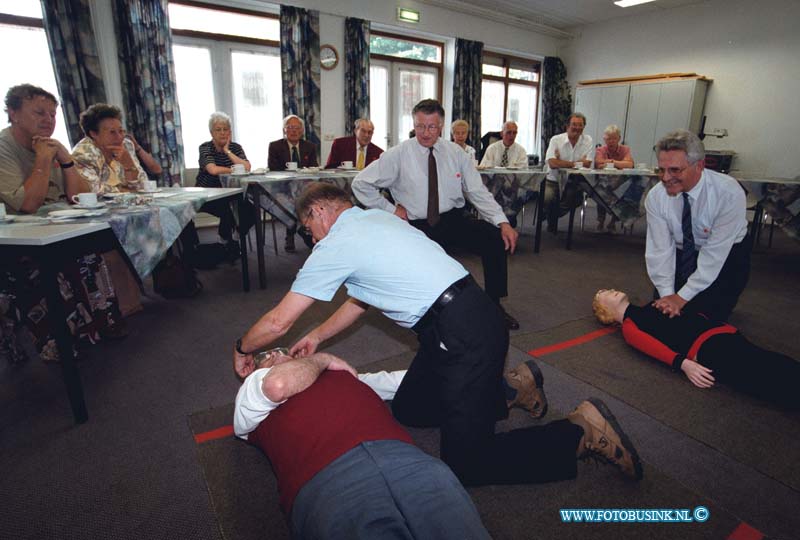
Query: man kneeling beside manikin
[345,468]
[706,351]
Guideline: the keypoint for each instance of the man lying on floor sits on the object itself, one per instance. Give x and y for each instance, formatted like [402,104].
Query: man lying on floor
[345,468]
[706,351]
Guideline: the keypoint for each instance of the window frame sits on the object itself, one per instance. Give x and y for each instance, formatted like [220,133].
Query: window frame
[507,61]
[439,66]
[225,37]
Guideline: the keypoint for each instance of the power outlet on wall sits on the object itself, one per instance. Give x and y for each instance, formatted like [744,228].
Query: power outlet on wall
[717,132]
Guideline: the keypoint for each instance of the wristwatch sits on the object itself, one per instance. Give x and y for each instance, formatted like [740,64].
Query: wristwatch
[238,347]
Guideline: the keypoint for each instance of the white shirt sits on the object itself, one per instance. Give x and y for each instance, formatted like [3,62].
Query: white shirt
[252,406]
[718,222]
[469,150]
[567,152]
[517,156]
[403,170]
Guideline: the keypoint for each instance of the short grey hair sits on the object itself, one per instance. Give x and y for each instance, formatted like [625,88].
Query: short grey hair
[685,141]
[505,124]
[577,115]
[361,121]
[217,117]
[613,129]
[458,123]
[286,121]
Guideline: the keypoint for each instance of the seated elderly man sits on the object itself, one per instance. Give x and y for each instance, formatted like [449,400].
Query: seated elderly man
[706,351]
[105,157]
[218,156]
[459,130]
[352,471]
[358,148]
[506,152]
[617,156]
[292,148]
[35,169]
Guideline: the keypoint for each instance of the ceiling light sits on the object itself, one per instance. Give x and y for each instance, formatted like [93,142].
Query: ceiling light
[629,3]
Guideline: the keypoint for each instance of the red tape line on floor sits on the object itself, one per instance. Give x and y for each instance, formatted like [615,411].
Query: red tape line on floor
[580,340]
[219,433]
[745,532]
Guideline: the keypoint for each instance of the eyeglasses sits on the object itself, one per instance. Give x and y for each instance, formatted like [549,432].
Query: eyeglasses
[422,128]
[674,171]
[263,356]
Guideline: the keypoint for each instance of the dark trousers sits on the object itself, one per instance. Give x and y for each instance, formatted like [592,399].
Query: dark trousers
[460,390]
[222,209]
[759,372]
[719,299]
[477,236]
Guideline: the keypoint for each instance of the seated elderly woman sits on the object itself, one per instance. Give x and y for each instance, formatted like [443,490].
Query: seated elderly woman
[618,155]
[706,351]
[105,157]
[460,132]
[36,169]
[218,156]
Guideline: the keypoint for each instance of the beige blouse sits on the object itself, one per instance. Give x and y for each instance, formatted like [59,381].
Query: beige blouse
[102,176]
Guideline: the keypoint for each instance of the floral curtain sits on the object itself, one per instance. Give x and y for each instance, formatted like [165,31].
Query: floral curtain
[467,87]
[356,70]
[147,73]
[556,100]
[300,67]
[68,25]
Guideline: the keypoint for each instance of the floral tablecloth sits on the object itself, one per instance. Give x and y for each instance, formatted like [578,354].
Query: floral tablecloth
[779,198]
[621,192]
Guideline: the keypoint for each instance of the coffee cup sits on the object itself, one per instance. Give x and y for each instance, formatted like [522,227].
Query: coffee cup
[150,185]
[642,166]
[2,211]
[609,165]
[578,164]
[237,168]
[291,165]
[85,199]
[347,164]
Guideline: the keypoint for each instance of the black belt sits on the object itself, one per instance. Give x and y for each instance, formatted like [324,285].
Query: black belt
[449,294]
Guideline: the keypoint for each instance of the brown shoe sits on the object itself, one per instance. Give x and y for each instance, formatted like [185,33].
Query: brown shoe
[603,438]
[528,381]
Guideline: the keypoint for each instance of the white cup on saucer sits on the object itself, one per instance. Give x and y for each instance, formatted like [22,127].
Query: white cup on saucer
[85,199]
[347,164]
[578,164]
[237,168]
[150,185]
[642,166]
[609,165]
[291,165]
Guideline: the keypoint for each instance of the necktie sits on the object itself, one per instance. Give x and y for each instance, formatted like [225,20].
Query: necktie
[361,158]
[433,190]
[687,262]
[504,160]
[295,156]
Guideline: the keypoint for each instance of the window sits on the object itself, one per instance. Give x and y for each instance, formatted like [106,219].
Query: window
[21,29]
[510,91]
[227,60]
[402,72]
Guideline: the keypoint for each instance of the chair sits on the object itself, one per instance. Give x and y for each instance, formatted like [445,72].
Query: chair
[489,138]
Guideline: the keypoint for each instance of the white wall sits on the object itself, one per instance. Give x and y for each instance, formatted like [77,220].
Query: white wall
[750,49]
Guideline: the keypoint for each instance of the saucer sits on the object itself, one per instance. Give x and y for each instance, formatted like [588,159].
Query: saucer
[90,207]
[8,218]
[67,214]
[148,191]
[245,173]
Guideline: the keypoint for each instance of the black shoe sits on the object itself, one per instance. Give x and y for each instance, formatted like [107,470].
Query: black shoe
[511,322]
[115,332]
[288,247]
[232,251]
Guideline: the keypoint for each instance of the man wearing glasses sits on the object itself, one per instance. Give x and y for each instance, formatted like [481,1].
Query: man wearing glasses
[430,180]
[696,224]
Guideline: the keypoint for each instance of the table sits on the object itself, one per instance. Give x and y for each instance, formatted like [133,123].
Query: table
[143,234]
[276,192]
[621,191]
[778,197]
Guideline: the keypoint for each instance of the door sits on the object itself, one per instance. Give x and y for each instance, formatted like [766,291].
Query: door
[640,131]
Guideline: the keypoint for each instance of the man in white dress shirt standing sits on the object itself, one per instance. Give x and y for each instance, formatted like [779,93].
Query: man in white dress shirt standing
[571,149]
[429,179]
[696,254]
[506,152]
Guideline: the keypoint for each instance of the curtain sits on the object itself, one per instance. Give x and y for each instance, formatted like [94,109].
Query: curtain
[467,87]
[300,67]
[556,100]
[356,70]
[68,25]
[147,73]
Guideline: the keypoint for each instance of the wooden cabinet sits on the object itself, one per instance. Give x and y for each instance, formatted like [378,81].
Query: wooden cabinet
[645,111]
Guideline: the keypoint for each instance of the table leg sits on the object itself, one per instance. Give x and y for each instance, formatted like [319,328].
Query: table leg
[569,229]
[241,207]
[262,270]
[539,215]
[58,325]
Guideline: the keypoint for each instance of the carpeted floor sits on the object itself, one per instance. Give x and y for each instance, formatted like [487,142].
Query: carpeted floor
[135,470]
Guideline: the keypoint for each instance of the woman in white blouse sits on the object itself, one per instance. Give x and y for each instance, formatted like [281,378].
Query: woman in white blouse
[460,131]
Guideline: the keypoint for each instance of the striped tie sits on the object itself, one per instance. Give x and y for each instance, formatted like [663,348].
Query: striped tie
[687,257]
[504,159]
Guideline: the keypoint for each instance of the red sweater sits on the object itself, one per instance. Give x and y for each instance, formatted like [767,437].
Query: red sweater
[313,428]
